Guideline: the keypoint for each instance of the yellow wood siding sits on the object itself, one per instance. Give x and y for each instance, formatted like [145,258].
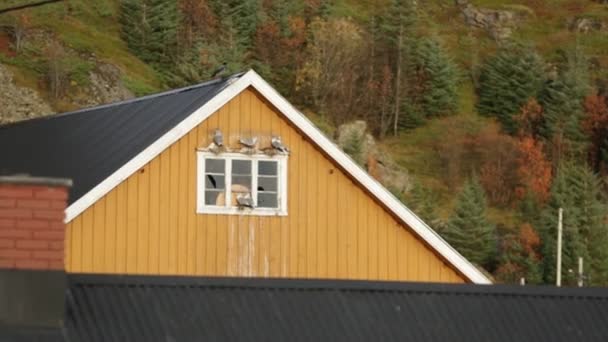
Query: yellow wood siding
[148,224]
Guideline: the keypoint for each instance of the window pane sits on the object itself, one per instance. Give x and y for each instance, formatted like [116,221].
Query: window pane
[214,165]
[242,181]
[215,198]
[214,182]
[267,200]
[241,167]
[267,184]
[267,168]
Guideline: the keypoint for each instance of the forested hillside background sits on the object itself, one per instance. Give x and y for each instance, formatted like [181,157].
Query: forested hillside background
[483,116]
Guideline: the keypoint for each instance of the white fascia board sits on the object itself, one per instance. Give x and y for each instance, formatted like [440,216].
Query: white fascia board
[156,148]
[251,78]
[373,186]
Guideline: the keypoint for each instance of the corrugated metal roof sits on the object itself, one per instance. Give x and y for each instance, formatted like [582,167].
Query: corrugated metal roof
[117,308]
[88,145]
[31,334]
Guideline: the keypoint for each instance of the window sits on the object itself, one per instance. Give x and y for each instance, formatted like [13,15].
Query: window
[235,183]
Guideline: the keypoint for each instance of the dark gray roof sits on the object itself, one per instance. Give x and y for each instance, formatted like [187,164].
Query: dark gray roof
[129,308]
[89,145]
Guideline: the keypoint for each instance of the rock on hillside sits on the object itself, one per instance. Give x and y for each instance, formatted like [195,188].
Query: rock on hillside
[588,24]
[105,86]
[18,103]
[498,23]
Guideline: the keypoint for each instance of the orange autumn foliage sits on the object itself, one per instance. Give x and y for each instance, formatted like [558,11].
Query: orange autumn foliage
[529,239]
[533,170]
[530,118]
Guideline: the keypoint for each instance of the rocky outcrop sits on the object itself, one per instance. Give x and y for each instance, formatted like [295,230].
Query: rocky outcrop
[499,23]
[355,140]
[105,86]
[587,25]
[19,103]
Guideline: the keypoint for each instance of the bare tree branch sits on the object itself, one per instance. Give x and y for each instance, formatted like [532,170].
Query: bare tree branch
[24,6]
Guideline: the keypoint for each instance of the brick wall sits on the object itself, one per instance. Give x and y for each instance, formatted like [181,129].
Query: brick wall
[32,231]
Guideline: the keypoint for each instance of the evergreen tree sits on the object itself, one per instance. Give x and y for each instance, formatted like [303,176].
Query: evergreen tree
[562,100]
[585,234]
[244,19]
[135,28]
[422,201]
[506,82]
[432,81]
[468,229]
[396,28]
[149,27]
[519,257]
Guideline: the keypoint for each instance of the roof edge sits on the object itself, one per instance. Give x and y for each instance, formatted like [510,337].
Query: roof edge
[335,284]
[234,86]
[127,101]
[372,185]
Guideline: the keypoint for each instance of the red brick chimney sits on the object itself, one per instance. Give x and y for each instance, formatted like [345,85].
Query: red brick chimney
[32,228]
[32,232]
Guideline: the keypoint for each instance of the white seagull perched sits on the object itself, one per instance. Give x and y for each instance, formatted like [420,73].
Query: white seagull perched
[277,144]
[244,200]
[218,138]
[249,142]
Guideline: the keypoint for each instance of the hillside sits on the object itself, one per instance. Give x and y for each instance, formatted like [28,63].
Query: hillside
[419,73]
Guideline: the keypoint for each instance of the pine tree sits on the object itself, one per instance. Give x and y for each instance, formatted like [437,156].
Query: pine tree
[506,82]
[244,19]
[593,225]
[519,256]
[149,27]
[422,201]
[585,234]
[432,82]
[562,100]
[563,116]
[135,28]
[396,28]
[468,229]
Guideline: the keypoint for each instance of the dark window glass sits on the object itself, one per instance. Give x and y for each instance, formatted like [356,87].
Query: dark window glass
[241,167]
[215,165]
[211,197]
[267,184]
[215,182]
[267,200]
[268,168]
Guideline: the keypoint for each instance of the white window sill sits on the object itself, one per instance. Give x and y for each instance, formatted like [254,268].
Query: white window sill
[242,212]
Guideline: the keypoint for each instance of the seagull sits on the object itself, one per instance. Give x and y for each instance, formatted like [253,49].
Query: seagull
[277,144]
[244,200]
[249,142]
[218,138]
[219,71]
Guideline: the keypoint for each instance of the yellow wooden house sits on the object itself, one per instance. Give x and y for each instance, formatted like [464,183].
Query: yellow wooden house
[225,178]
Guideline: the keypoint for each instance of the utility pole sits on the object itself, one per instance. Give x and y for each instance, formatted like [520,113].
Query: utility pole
[558,279]
[580,272]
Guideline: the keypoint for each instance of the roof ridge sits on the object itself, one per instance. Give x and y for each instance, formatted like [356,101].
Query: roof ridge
[127,101]
[286,284]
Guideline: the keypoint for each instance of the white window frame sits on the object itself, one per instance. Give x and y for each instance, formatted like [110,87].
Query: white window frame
[202,208]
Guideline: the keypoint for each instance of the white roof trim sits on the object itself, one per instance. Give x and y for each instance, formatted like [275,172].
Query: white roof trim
[251,78]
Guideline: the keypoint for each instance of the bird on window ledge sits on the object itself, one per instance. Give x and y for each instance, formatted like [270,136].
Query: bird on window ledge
[219,72]
[244,200]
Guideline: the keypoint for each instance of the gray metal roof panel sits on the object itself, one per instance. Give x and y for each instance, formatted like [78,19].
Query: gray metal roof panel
[189,309]
[90,144]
